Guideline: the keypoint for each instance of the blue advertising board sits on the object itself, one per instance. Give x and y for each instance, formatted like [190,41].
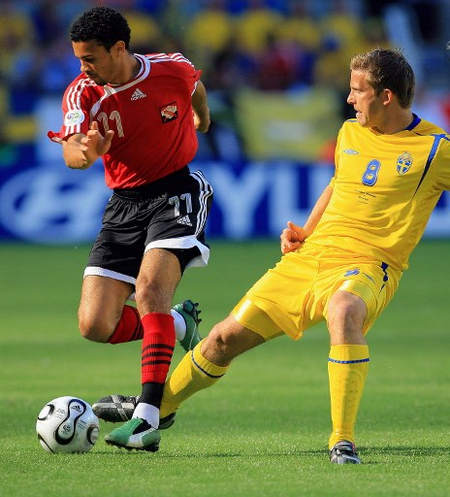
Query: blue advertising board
[49,203]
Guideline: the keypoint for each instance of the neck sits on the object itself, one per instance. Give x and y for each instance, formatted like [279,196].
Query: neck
[395,123]
[128,71]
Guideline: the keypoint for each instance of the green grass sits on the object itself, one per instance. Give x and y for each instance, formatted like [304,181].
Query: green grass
[262,430]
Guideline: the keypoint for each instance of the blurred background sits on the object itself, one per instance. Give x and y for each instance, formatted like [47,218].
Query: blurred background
[277,77]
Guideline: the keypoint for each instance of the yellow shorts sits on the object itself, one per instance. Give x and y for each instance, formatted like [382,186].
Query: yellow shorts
[294,295]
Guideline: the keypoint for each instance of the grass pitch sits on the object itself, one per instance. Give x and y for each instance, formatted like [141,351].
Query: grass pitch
[263,429]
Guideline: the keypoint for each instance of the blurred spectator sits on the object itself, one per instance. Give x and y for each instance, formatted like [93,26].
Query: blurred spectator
[277,65]
[255,25]
[211,28]
[16,35]
[47,23]
[209,32]
[266,45]
[146,32]
[57,67]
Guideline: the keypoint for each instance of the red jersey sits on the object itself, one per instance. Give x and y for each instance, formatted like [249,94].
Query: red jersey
[151,116]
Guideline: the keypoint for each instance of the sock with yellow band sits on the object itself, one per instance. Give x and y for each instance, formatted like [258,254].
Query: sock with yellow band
[193,373]
[347,371]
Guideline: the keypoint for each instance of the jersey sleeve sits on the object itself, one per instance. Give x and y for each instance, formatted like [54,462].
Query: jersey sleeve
[187,71]
[75,113]
[443,163]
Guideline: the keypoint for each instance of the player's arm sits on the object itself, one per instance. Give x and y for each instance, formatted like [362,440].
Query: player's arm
[293,236]
[201,109]
[80,151]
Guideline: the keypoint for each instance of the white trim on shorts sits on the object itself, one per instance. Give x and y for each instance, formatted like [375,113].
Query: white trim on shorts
[206,191]
[100,271]
[184,242]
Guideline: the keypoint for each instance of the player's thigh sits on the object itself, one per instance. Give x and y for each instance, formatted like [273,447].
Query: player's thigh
[101,305]
[118,249]
[251,317]
[281,298]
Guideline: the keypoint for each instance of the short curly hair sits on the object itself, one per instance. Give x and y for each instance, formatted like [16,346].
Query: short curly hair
[104,25]
[387,68]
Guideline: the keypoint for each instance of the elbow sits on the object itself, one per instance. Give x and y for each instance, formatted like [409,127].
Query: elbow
[204,128]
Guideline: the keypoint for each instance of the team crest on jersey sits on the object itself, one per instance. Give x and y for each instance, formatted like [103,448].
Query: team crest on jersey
[404,163]
[169,112]
[73,117]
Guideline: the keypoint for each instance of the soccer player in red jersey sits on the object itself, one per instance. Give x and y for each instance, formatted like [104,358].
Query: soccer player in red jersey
[140,114]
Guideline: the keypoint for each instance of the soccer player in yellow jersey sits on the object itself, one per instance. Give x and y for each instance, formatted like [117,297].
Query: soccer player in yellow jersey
[344,265]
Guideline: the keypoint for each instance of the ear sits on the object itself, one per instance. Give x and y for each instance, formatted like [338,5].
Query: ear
[387,96]
[119,47]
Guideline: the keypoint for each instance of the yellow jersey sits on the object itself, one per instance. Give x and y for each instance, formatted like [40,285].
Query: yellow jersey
[384,190]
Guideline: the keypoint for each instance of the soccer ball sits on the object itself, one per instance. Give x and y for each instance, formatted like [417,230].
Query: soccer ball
[67,424]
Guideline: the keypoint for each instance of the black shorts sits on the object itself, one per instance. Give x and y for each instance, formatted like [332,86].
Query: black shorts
[169,213]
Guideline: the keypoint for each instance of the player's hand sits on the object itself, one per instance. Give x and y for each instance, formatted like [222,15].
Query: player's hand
[292,237]
[97,144]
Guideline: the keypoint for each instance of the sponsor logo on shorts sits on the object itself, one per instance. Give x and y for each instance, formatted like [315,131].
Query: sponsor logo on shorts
[404,163]
[169,112]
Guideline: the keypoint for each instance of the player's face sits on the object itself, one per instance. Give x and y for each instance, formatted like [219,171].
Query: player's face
[367,104]
[99,64]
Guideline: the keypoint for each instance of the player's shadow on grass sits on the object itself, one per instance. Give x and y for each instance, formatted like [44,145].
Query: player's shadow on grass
[364,452]
[407,451]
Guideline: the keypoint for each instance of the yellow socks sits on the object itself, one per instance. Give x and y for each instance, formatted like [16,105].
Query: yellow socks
[193,373]
[347,370]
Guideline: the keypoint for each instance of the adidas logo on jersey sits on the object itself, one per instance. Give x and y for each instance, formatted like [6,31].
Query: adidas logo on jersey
[137,94]
[184,220]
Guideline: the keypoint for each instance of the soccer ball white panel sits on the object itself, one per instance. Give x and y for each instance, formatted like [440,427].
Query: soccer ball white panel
[67,424]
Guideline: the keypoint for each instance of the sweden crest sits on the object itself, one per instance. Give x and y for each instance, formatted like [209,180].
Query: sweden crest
[404,163]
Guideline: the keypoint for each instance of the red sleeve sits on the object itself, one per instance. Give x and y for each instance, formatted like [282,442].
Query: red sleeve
[187,71]
[75,111]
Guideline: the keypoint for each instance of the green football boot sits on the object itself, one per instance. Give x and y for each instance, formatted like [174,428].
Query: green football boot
[190,313]
[135,434]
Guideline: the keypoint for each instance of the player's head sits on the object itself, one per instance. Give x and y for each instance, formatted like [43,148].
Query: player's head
[100,37]
[379,79]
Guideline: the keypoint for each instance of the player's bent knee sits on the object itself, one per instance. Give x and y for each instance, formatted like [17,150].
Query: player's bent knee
[347,308]
[229,339]
[94,330]
[346,316]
